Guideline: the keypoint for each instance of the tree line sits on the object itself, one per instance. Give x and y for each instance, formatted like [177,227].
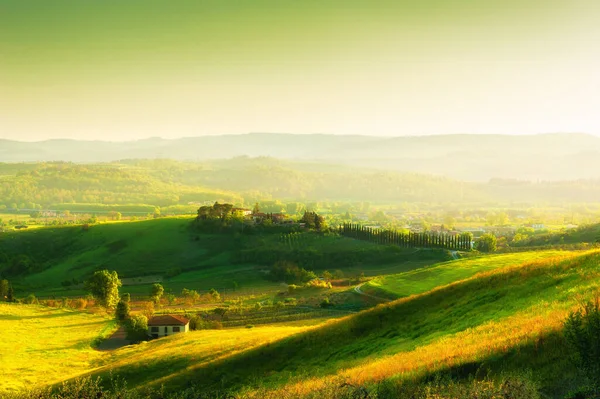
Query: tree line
[460,242]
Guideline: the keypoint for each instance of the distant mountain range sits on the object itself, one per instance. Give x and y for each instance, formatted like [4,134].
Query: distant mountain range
[560,156]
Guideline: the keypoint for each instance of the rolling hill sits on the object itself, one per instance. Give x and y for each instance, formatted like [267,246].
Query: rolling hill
[503,320]
[558,156]
[54,260]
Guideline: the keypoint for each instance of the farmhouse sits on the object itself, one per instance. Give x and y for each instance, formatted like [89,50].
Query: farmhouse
[162,326]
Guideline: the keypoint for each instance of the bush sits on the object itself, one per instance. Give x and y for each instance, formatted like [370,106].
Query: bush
[31,300]
[325,303]
[582,332]
[137,328]
[487,243]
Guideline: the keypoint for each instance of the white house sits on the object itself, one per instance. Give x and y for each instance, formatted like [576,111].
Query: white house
[162,326]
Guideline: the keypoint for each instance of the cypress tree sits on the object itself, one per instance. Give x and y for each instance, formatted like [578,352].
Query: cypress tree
[10,295]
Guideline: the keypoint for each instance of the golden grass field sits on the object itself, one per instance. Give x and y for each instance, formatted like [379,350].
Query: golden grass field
[42,345]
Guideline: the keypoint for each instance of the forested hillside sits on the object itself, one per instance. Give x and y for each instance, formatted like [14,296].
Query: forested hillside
[244,181]
[464,157]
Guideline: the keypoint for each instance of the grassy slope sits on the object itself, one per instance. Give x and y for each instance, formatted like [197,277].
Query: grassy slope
[155,361]
[41,345]
[467,322]
[151,248]
[424,279]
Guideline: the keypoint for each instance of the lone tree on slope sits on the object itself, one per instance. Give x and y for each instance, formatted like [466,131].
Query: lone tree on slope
[104,287]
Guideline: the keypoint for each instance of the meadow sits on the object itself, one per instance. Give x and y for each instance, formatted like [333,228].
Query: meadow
[503,320]
[506,319]
[424,279]
[53,261]
[42,345]
[499,313]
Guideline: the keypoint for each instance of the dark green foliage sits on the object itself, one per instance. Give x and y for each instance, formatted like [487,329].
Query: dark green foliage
[137,328]
[312,220]
[104,287]
[582,332]
[19,265]
[4,285]
[122,311]
[10,295]
[30,299]
[408,240]
[126,297]
[325,303]
[218,211]
[290,273]
[487,243]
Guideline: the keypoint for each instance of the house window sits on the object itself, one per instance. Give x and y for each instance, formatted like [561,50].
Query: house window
[154,329]
[176,329]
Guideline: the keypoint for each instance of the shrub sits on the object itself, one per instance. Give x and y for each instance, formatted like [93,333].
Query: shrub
[325,303]
[582,332]
[31,300]
[80,303]
[290,301]
[137,328]
[487,243]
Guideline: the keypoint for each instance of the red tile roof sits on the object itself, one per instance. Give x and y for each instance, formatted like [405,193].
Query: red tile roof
[168,320]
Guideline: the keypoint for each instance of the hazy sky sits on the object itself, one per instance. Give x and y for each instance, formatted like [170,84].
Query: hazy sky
[128,69]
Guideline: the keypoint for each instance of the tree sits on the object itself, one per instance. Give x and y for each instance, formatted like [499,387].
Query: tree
[156,292]
[137,328]
[122,311]
[487,243]
[104,287]
[256,209]
[190,296]
[327,275]
[215,295]
[10,296]
[171,299]
[4,289]
[148,309]
[126,297]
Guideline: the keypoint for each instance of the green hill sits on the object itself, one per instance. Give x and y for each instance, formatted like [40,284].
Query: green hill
[53,261]
[427,278]
[505,320]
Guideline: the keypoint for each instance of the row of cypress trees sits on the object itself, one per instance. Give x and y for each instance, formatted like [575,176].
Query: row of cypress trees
[460,242]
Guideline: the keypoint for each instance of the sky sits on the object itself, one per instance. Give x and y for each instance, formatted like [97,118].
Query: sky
[131,69]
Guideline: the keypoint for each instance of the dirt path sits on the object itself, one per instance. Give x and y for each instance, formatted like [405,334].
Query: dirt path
[360,292]
[115,341]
